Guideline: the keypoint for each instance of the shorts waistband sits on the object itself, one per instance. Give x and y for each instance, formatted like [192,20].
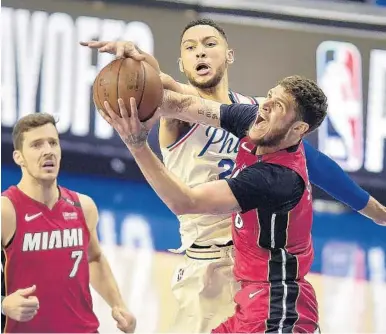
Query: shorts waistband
[209,252]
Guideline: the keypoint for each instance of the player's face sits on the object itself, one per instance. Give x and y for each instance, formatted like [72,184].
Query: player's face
[275,119]
[204,56]
[41,153]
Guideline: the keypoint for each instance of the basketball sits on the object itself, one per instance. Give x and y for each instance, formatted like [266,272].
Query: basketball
[126,78]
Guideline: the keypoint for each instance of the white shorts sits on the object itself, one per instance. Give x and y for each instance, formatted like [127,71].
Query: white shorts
[204,288]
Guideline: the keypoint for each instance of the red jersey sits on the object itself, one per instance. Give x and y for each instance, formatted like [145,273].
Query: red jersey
[273,246]
[50,250]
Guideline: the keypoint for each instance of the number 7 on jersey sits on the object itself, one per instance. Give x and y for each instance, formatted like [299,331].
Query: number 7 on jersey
[77,255]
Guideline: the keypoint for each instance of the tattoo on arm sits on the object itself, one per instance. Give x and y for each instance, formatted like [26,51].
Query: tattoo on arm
[184,103]
[207,113]
[137,140]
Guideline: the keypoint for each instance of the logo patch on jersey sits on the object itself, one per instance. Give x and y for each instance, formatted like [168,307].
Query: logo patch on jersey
[245,146]
[339,74]
[29,217]
[52,240]
[70,215]
[68,201]
[239,221]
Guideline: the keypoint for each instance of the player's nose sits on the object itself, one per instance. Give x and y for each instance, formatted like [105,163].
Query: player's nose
[266,105]
[47,149]
[200,53]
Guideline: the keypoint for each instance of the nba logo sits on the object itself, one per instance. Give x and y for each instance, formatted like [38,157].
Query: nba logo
[339,74]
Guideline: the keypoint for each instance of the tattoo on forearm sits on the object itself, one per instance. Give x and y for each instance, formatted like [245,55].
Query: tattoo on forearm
[137,140]
[184,104]
[207,113]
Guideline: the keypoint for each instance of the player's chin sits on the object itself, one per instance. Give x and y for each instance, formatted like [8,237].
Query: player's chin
[255,134]
[49,176]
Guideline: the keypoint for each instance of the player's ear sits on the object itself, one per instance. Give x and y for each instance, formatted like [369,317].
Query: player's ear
[300,128]
[230,56]
[181,65]
[18,158]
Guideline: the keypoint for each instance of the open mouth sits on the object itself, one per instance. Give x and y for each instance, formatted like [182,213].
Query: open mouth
[48,164]
[259,119]
[202,69]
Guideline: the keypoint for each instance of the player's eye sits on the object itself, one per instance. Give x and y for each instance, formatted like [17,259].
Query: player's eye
[190,47]
[211,44]
[278,104]
[36,144]
[53,143]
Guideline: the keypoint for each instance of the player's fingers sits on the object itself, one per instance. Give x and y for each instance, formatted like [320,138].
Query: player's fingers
[110,112]
[106,117]
[30,302]
[109,48]
[28,312]
[120,52]
[26,291]
[27,317]
[132,52]
[93,44]
[119,318]
[123,110]
[134,121]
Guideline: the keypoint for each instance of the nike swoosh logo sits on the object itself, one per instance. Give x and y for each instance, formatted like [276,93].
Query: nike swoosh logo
[245,147]
[29,218]
[253,294]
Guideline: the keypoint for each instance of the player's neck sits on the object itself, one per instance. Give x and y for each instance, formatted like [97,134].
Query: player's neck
[219,93]
[45,192]
[260,150]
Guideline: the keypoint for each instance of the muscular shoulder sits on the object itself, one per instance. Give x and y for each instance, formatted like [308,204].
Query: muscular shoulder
[90,210]
[8,220]
[7,209]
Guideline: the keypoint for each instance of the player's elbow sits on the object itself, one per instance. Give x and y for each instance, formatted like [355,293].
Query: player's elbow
[186,205]
[183,208]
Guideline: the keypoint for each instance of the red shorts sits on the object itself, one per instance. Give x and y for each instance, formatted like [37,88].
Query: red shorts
[277,307]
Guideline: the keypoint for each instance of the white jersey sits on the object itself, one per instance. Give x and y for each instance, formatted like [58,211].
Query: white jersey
[204,154]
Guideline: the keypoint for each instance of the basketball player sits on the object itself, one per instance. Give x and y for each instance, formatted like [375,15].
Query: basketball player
[197,153]
[269,194]
[49,238]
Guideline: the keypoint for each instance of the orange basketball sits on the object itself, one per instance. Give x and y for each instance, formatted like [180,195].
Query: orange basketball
[126,78]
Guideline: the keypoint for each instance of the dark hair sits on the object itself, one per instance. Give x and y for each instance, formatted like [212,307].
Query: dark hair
[204,22]
[310,100]
[28,123]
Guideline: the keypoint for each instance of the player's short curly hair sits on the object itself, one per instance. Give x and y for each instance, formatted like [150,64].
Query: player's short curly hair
[310,100]
[204,22]
[28,123]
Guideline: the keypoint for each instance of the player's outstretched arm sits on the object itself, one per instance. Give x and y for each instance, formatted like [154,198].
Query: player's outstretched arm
[212,197]
[127,49]
[101,276]
[375,211]
[329,176]
[190,108]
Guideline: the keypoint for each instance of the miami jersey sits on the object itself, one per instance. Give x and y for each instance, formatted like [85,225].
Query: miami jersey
[204,154]
[50,250]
